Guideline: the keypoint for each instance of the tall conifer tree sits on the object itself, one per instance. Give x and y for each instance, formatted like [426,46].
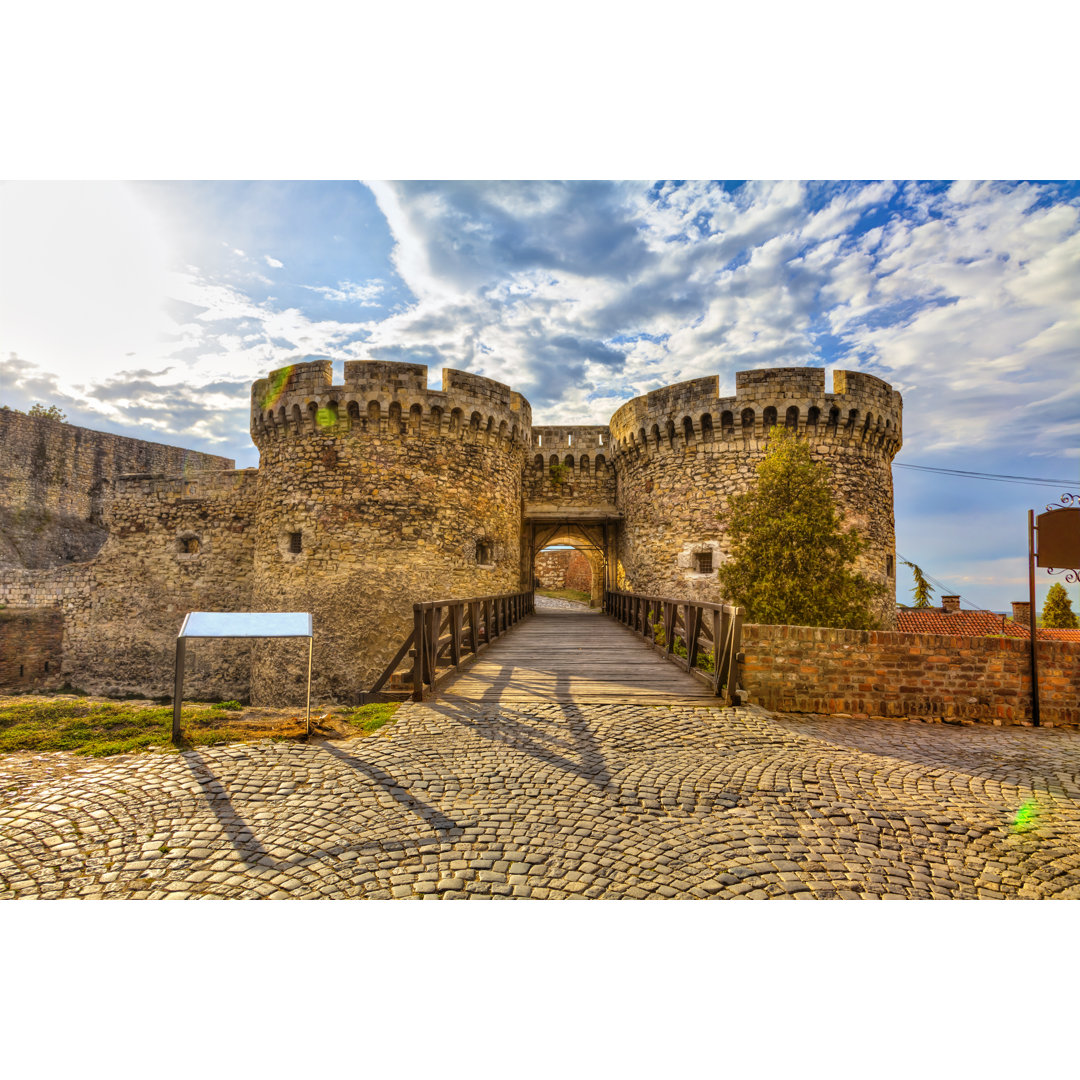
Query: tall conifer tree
[1057,612]
[791,561]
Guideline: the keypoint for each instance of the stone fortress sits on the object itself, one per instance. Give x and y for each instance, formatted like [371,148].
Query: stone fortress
[380,492]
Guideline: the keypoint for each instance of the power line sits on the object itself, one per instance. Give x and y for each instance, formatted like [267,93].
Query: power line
[1002,478]
[940,586]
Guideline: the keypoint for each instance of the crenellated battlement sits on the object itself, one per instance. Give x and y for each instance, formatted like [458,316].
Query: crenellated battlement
[573,439]
[385,398]
[862,410]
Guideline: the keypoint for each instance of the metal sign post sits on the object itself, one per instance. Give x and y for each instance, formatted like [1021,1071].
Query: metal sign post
[238,624]
[1058,550]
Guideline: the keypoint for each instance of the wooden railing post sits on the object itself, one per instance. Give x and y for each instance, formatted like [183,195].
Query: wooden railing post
[419,652]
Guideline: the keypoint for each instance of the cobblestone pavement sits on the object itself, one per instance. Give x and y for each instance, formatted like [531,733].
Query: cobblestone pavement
[554,603]
[561,801]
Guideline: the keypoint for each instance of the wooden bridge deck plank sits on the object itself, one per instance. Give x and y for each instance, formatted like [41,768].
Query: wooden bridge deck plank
[568,657]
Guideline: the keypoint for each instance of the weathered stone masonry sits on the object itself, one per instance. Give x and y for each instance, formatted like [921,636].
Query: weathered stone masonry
[380,492]
[682,451]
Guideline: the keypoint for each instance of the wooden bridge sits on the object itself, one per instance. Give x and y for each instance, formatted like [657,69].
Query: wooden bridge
[638,650]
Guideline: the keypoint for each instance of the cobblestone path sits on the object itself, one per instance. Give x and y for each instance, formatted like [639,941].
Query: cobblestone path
[561,801]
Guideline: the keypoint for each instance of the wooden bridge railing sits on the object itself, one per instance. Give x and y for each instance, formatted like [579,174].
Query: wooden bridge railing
[702,638]
[447,633]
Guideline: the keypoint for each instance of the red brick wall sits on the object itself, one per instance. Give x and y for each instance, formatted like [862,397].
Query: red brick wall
[578,572]
[31,647]
[888,673]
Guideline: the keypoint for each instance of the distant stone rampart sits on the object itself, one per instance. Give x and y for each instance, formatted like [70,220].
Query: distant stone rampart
[55,480]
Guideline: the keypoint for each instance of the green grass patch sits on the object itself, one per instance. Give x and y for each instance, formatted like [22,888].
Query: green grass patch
[577,595]
[228,706]
[99,729]
[369,718]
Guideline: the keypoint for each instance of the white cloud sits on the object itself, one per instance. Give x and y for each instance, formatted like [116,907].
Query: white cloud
[364,294]
[275,263]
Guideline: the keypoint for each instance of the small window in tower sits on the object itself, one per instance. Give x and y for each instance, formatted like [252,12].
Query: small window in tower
[46,665]
[296,544]
[703,562]
[888,566]
[20,671]
[483,552]
[187,545]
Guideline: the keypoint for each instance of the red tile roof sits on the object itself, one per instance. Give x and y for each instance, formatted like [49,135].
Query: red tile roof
[971,624]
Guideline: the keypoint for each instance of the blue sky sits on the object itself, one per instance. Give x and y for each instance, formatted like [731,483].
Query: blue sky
[148,308]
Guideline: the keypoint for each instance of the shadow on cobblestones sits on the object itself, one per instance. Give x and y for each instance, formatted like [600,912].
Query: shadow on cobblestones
[236,830]
[565,740]
[399,792]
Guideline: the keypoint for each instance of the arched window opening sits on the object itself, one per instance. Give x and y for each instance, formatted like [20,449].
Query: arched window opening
[687,430]
[484,554]
[297,419]
[656,436]
[727,423]
[706,427]
[569,461]
[416,418]
[353,412]
[583,464]
[834,418]
[813,415]
[456,418]
[791,420]
[748,419]
[601,464]
[768,419]
[436,419]
[395,418]
[671,433]
[539,462]
[313,416]
[852,419]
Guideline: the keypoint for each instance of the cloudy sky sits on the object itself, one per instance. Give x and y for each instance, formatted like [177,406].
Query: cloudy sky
[148,309]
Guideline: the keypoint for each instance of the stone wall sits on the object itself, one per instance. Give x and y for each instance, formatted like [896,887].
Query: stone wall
[393,494]
[174,546]
[682,451]
[54,481]
[563,568]
[927,676]
[31,648]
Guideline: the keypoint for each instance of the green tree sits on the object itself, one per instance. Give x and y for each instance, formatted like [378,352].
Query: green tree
[52,412]
[791,561]
[922,589]
[1057,612]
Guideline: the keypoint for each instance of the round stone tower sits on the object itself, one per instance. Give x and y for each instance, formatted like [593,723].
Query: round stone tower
[374,495]
[681,451]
